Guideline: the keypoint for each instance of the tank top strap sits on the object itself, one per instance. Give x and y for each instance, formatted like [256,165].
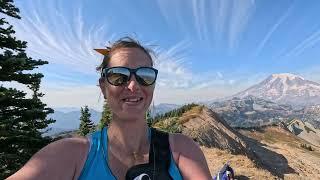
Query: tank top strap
[94,148]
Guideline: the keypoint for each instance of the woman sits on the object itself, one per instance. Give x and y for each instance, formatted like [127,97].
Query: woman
[127,148]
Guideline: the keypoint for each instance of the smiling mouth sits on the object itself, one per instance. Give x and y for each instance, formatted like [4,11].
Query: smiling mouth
[132,100]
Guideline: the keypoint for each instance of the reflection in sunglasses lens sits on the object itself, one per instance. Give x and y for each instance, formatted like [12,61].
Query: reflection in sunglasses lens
[147,75]
[119,75]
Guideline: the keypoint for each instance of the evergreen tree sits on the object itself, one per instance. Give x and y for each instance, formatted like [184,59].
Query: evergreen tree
[149,118]
[106,116]
[21,118]
[86,125]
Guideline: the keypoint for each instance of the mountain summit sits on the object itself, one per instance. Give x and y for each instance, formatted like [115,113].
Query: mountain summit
[285,88]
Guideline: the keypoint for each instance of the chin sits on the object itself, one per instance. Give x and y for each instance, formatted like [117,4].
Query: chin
[133,113]
[132,116]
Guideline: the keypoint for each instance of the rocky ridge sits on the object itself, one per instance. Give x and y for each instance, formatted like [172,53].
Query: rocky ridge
[251,111]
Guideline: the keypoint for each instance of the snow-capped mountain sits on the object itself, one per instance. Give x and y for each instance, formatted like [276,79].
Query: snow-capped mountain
[285,88]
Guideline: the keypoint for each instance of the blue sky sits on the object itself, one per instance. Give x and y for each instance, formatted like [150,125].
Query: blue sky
[205,49]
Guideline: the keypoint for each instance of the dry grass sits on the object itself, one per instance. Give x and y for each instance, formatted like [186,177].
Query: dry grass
[273,135]
[305,163]
[192,113]
[242,165]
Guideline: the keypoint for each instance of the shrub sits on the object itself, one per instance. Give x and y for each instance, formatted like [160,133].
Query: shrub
[307,147]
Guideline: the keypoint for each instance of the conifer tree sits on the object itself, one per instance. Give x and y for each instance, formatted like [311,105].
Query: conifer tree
[22,119]
[86,125]
[149,118]
[106,116]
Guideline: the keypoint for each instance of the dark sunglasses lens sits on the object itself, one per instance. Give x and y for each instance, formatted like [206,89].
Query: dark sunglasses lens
[117,76]
[146,76]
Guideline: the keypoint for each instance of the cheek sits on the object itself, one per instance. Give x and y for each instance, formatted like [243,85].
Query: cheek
[113,99]
[113,92]
[149,93]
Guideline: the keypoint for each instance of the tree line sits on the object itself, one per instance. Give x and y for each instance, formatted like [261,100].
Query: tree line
[173,113]
[87,126]
[23,117]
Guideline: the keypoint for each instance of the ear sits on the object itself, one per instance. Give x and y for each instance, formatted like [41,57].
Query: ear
[103,87]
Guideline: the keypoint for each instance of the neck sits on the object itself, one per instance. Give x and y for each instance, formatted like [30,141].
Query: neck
[128,136]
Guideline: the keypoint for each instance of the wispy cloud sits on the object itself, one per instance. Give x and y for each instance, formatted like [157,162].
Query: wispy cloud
[175,70]
[221,10]
[201,19]
[309,42]
[171,12]
[212,19]
[240,15]
[272,30]
[172,63]
[61,40]
[219,74]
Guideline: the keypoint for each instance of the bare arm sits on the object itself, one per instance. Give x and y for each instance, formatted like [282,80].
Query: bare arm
[191,161]
[62,159]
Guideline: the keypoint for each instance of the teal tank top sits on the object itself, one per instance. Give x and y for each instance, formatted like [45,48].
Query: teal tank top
[96,167]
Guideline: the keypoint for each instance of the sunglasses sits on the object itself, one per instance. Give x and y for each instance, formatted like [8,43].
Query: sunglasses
[118,76]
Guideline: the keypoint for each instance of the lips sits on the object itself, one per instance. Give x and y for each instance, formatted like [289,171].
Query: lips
[132,100]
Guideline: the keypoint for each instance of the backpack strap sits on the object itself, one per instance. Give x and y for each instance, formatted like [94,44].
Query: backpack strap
[159,159]
[161,150]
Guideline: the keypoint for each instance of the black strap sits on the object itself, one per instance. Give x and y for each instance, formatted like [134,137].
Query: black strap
[159,159]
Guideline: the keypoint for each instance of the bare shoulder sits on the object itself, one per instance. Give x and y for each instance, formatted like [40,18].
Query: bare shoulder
[181,144]
[74,144]
[178,142]
[189,157]
[62,159]
[67,147]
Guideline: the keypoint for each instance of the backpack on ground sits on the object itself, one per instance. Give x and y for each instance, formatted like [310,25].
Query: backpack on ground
[226,173]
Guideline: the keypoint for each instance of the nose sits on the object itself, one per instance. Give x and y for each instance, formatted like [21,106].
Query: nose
[133,85]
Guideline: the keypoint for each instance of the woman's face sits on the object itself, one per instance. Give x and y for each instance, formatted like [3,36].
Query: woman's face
[122,99]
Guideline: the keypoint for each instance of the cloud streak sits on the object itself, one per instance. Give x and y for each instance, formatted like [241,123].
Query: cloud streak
[272,30]
[241,13]
[212,20]
[309,42]
[62,41]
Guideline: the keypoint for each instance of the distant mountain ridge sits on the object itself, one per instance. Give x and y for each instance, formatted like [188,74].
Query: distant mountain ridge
[311,114]
[305,131]
[69,120]
[251,111]
[163,108]
[285,88]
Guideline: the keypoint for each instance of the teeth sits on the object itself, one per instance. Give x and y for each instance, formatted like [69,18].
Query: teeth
[133,99]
